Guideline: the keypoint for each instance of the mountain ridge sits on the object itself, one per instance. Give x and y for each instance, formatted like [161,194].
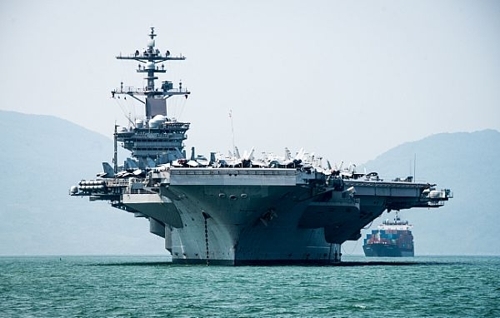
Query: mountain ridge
[463,162]
[42,157]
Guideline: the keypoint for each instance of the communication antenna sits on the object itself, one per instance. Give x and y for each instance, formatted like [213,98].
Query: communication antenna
[115,149]
[414,167]
[232,126]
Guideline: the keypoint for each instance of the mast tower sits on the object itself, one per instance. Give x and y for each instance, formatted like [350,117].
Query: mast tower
[156,138]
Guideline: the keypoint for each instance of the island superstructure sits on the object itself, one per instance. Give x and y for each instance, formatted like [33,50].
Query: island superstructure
[237,209]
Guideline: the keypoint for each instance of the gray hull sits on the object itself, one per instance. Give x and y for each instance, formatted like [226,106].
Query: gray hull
[263,216]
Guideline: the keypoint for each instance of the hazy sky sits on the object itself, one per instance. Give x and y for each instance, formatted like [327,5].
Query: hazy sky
[347,80]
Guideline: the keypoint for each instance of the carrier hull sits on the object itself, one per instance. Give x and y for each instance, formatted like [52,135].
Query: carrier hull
[263,216]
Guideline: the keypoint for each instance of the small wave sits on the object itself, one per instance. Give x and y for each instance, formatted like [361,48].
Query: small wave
[359,306]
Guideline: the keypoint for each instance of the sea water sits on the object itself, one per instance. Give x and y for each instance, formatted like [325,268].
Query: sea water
[143,286]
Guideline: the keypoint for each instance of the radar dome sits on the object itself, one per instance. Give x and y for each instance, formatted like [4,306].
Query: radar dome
[157,121]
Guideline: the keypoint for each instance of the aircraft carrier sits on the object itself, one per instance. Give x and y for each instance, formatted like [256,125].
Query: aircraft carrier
[236,209]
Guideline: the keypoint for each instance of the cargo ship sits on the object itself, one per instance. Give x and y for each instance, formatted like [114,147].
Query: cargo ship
[236,209]
[390,239]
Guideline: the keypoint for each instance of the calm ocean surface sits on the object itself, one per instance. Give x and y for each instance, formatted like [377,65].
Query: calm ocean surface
[143,286]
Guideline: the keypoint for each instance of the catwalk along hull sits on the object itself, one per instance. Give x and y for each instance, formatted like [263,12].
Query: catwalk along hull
[236,209]
[243,216]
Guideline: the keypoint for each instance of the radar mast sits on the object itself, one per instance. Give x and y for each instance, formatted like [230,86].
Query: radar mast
[154,98]
[156,139]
